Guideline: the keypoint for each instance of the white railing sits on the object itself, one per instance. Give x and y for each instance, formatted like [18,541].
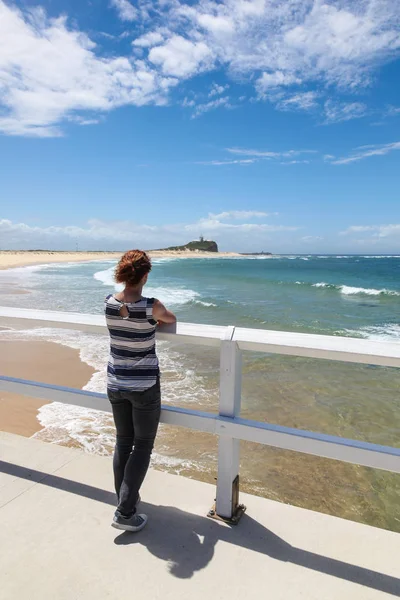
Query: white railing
[228,424]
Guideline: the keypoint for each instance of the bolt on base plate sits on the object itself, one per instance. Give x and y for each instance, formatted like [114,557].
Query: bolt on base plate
[234,520]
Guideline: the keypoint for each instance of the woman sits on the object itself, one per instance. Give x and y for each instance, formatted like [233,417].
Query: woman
[133,382]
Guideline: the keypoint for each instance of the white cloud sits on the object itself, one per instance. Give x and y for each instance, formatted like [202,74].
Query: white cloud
[101,235]
[211,105]
[378,231]
[148,40]
[217,90]
[366,152]
[379,238]
[335,112]
[343,43]
[391,111]
[275,79]
[96,235]
[49,69]
[292,43]
[389,230]
[241,214]
[49,72]
[126,11]
[311,238]
[216,25]
[180,57]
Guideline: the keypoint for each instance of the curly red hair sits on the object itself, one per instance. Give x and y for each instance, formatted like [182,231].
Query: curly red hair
[132,267]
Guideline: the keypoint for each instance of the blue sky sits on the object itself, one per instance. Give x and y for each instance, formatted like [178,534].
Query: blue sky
[263,124]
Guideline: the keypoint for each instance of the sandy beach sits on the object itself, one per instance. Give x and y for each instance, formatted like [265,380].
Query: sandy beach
[41,361]
[23,258]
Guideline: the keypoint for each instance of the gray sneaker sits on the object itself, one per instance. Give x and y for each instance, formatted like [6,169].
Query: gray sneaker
[134,523]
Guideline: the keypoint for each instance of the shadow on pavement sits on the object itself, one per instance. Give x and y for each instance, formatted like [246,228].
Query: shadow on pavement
[187,542]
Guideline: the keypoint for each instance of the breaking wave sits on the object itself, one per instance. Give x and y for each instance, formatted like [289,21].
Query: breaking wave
[348,290]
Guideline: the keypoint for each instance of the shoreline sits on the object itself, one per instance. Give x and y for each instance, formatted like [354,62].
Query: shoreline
[25,258]
[10,259]
[191,254]
[42,361]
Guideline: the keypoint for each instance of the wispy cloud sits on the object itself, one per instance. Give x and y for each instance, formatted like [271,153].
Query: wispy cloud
[106,35]
[328,111]
[189,102]
[336,112]
[221,163]
[363,152]
[83,121]
[296,157]
[303,101]
[295,162]
[393,111]
[212,224]
[251,156]
[268,154]
[311,238]
[357,229]
[200,109]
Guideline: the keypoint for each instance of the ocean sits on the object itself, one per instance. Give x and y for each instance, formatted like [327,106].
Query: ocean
[356,296]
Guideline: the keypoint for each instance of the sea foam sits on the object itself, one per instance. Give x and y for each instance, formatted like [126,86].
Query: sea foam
[93,430]
[170,296]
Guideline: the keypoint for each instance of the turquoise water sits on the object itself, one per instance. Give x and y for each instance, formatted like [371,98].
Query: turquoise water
[353,295]
[308,294]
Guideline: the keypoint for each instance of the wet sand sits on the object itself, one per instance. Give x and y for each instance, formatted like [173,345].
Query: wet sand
[40,361]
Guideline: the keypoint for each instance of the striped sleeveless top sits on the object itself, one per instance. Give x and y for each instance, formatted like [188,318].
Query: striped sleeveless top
[133,363]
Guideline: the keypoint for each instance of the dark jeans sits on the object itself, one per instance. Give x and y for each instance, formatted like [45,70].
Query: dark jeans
[136,417]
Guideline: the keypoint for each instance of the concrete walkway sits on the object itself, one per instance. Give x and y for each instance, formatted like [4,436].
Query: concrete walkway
[56,541]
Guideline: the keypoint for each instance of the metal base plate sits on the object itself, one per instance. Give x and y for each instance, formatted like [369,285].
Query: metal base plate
[234,520]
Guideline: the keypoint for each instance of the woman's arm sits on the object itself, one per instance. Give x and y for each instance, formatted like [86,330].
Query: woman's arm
[162,314]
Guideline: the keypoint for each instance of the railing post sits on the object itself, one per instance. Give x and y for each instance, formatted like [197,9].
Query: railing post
[230,388]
